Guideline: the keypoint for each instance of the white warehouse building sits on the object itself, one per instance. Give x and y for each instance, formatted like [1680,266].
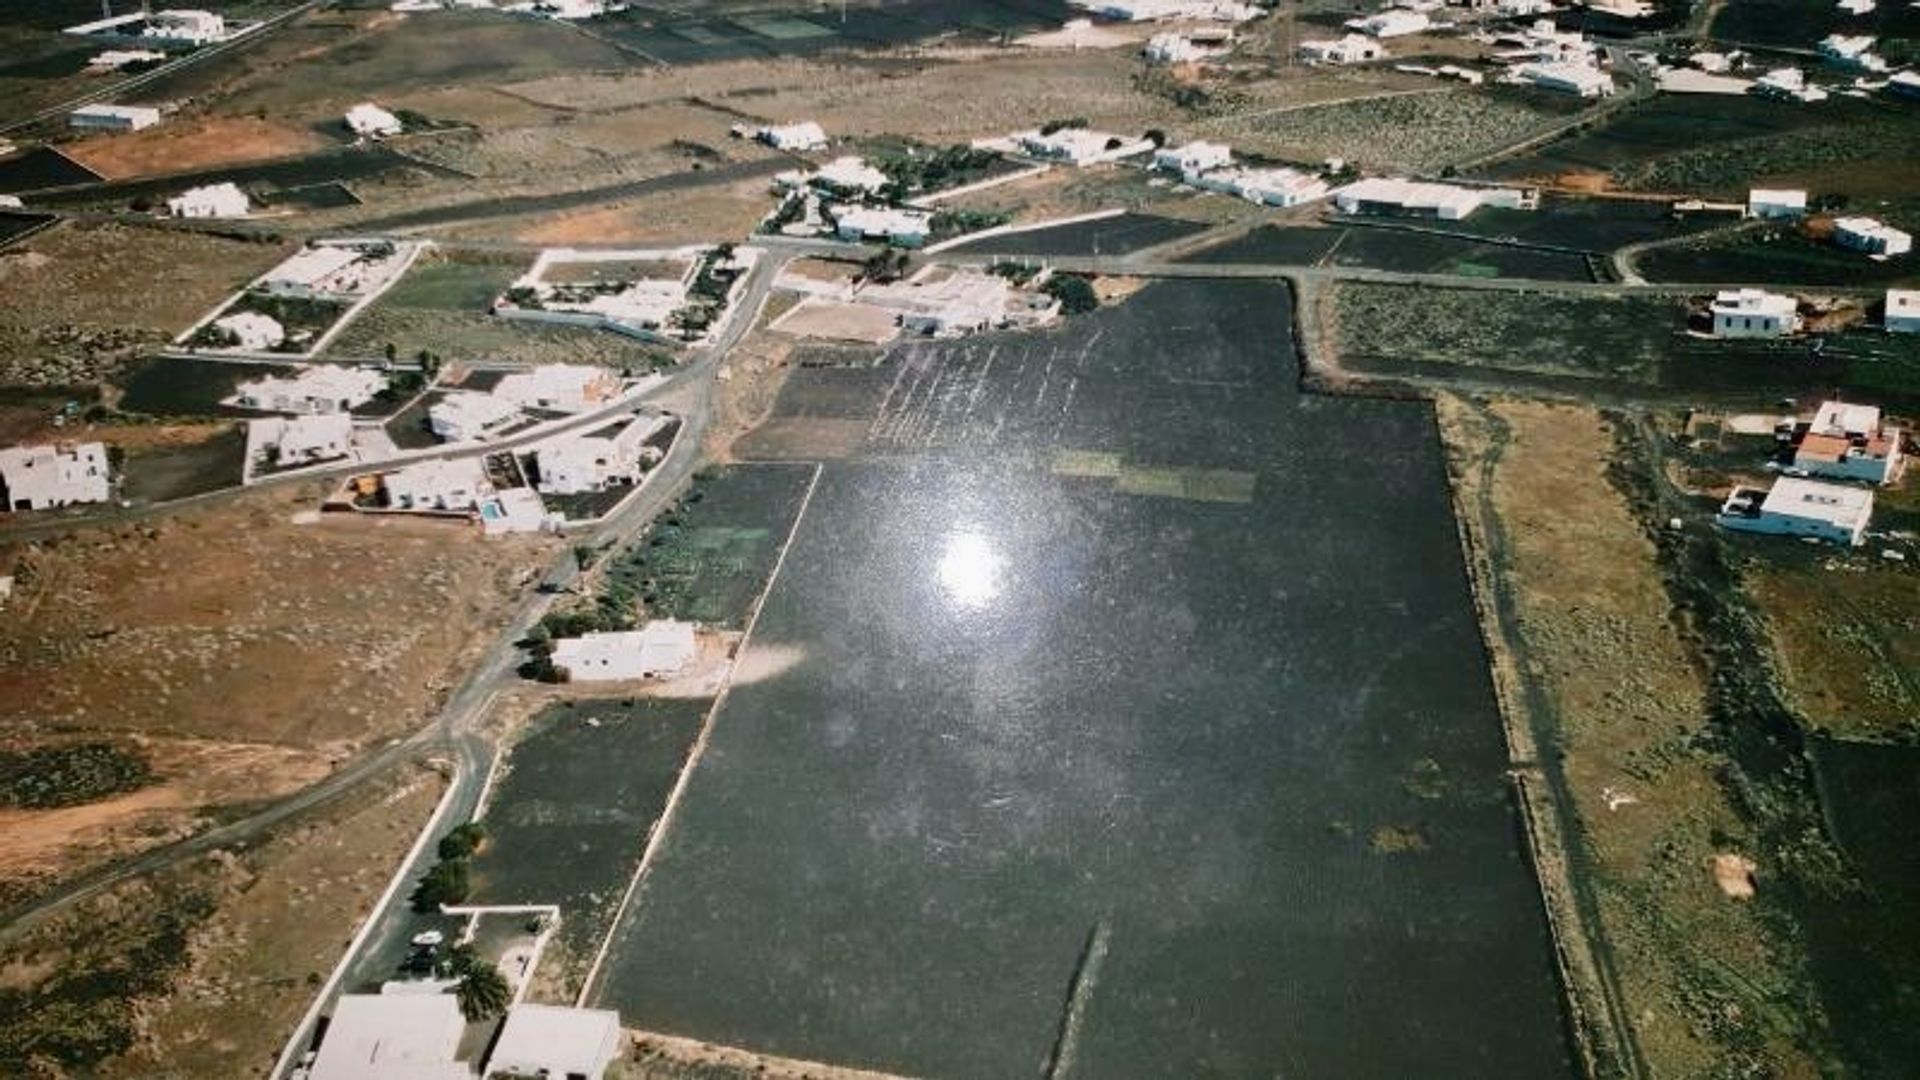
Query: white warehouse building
[1871,236]
[1794,507]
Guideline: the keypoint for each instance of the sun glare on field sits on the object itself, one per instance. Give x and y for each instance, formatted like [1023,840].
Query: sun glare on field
[970,570]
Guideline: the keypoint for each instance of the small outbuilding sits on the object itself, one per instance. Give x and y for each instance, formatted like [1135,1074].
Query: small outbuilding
[224,200]
[1834,513]
[371,121]
[548,1042]
[1753,313]
[1776,203]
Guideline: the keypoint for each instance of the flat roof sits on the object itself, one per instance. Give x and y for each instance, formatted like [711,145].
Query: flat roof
[381,1036]
[1836,504]
[565,1041]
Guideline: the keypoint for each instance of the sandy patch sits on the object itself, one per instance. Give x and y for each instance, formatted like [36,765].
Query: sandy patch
[834,320]
[1734,875]
[183,145]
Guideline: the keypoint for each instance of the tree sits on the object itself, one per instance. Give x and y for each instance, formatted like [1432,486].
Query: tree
[483,992]
[446,883]
[1075,294]
[1157,137]
[462,841]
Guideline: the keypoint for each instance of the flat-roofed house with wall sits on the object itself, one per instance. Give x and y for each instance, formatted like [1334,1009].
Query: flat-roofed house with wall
[1835,513]
[1753,313]
[322,388]
[561,388]
[1848,442]
[663,647]
[392,1037]
[612,454]
[43,477]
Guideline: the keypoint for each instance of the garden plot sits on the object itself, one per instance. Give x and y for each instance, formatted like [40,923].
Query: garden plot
[1770,255]
[571,812]
[297,307]
[666,297]
[1420,130]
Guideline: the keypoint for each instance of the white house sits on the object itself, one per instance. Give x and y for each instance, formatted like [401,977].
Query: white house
[467,416]
[371,121]
[1193,158]
[252,331]
[663,647]
[959,302]
[1268,187]
[222,200]
[300,440]
[1566,77]
[1851,51]
[115,59]
[1789,83]
[453,485]
[1796,507]
[1856,7]
[905,228]
[1904,84]
[1394,22]
[1903,311]
[1743,313]
[1448,202]
[1848,442]
[40,477]
[549,1042]
[112,117]
[1776,203]
[560,388]
[336,269]
[1351,49]
[181,26]
[1079,146]
[611,454]
[1871,236]
[1177,48]
[320,388]
[799,138]
[392,1037]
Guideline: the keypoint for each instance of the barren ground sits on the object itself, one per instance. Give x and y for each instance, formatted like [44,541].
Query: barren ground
[248,653]
[207,967]
[193,144]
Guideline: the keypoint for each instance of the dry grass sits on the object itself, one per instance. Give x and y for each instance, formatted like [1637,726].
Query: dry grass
[674,218]
[260,931]
[1699,974]
[193,144]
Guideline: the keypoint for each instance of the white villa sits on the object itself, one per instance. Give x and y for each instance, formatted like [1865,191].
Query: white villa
[905,228]
[469,416]
[1787,82]
[335,269]
[1177,48]
[1079,146]
[1269,187]
[1394,22]
[252,331]
[392,1037]
[112,117]
[223,200]
[550,1041]
[288,442]
[1753,313]
[1193,158]
[174,26]
[1448,202]
[560,388]
[320,388]
[1848,442]
[1350,49]
[371,121]
[663,647]
[41,477]
[452,485]
[607,456]
[947,304]
[799,138]
[1776,203]
[1794,507]
[1852,51]
[1903,311]
[1871,236]
[1567,77]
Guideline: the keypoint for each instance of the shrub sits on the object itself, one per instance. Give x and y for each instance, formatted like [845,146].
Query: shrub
[448,882]
[1075,293]
[462,841]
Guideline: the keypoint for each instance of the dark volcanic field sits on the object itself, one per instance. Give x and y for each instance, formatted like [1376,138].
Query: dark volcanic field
[1108,633]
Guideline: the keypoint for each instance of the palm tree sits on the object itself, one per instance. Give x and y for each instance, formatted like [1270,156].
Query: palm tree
[483,992]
